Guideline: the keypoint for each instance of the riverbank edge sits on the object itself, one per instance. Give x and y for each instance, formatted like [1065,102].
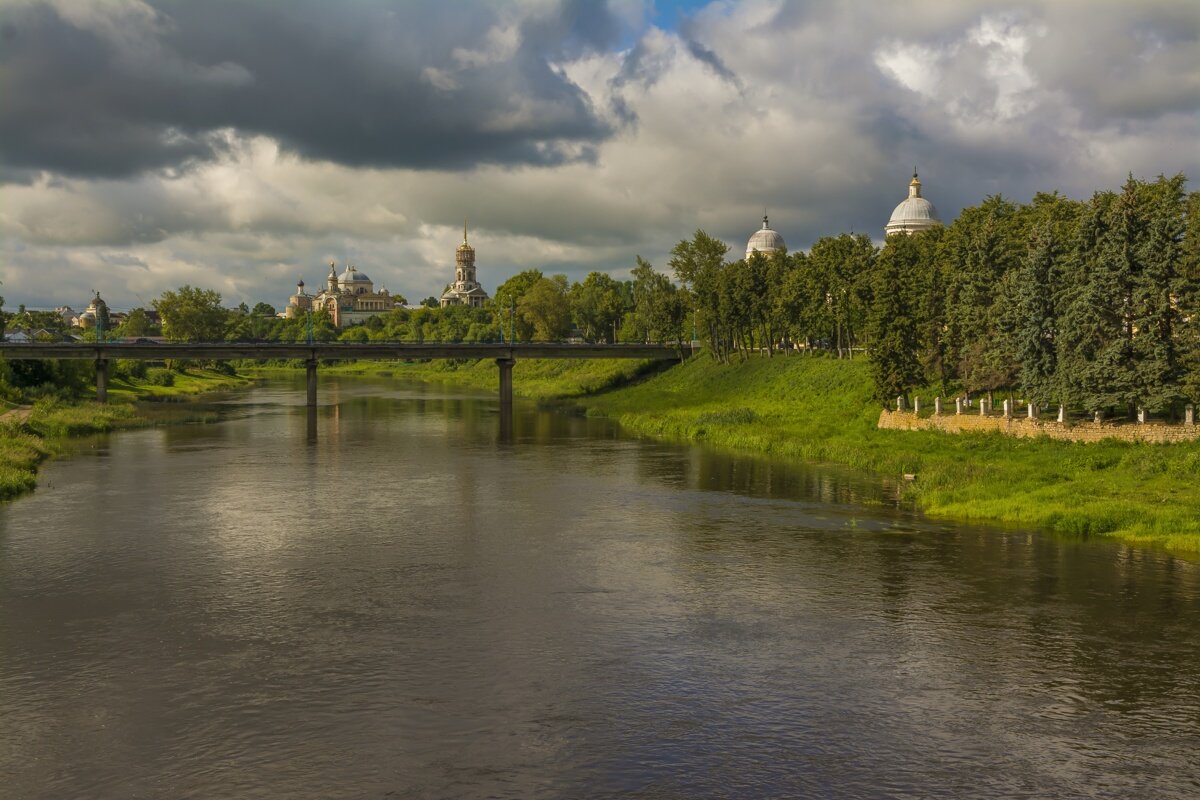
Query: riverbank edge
[818,410]
[32,434]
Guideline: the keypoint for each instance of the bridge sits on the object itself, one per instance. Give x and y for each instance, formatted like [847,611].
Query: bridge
[505,355]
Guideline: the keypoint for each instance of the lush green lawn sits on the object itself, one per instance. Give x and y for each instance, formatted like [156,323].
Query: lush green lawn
[820,409]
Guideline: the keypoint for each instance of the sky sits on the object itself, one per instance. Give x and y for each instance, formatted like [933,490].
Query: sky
[240,146]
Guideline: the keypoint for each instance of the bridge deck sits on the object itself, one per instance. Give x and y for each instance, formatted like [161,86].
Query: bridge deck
[331,350]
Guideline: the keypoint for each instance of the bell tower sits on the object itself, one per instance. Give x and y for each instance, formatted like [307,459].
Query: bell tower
[464,259]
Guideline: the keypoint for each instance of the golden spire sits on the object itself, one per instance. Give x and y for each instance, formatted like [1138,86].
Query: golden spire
[464,230]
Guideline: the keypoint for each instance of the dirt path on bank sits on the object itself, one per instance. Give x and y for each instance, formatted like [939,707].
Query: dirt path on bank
[18,414]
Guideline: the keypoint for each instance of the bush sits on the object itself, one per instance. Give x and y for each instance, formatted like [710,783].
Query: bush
[224,368]
[160,377]
[131,368]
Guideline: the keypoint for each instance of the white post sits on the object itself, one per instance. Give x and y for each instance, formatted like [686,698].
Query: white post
[1099,417]
[1007,408]
[958,405]
[937,406]
[1031,411]
[917,406]
[900,404]
[1062,415]
[1189,415]
[1141,416]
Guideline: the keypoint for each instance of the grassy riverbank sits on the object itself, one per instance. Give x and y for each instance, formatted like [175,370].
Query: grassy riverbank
[820,409]
[31,434]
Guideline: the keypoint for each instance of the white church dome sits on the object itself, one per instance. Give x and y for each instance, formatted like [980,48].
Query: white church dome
[765,241]
[914,214]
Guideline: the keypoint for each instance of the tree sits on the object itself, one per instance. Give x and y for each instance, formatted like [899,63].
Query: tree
[698,266]
[837,289]
[660,308]
[1088,319]
[1187,290]
[508,297]
[894,338]
[1036,336]
[137,323]
[191,314]
[545,310]
[263,310]
[597,306]
[1159,368]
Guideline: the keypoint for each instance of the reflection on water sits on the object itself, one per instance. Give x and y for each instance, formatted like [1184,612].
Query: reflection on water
[404,604]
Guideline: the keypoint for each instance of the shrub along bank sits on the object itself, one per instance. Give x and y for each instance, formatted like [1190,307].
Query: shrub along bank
[821,409]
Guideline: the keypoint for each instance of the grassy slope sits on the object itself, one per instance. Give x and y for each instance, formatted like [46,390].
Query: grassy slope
[25,443]
[820,409]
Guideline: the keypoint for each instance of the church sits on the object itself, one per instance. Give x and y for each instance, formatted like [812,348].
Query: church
[465,291]
[349,298]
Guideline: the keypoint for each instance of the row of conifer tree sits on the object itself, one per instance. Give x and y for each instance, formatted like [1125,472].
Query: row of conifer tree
[1091,304]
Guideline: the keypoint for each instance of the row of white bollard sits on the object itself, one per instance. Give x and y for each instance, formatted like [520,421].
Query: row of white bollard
[1031,410]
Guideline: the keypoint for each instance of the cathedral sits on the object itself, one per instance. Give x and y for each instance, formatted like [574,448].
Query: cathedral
[349,298]
[465,291]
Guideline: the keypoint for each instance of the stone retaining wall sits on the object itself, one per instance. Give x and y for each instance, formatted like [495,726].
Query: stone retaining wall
[1022,426]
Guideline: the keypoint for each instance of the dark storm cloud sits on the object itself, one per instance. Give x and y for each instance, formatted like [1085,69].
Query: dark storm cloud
[117,89]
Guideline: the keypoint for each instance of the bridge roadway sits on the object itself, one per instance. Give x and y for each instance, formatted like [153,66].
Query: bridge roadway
[505,355]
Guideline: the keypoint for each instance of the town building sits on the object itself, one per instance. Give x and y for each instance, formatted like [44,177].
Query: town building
[914,214]
[349,298]
[765,241]
[465,291]
[96,312]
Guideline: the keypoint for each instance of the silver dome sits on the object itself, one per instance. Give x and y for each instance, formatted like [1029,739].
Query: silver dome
[352,275]
[914,213]
[765,241]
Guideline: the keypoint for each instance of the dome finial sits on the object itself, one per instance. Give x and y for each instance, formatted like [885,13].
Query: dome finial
[766,226]
[914,186]
[464,230]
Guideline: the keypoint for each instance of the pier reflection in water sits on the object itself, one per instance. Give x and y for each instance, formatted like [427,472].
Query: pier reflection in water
[405,604]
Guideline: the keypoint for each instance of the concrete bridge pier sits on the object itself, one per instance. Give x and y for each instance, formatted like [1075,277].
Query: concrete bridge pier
[102,380]
[506,415]
[311,370]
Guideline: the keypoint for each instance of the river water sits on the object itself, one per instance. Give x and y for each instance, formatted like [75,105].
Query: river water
[405,606]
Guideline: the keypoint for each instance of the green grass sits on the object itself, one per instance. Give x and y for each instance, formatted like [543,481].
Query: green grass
[820,409]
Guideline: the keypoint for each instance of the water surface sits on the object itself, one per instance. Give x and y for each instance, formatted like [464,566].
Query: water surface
[404,606]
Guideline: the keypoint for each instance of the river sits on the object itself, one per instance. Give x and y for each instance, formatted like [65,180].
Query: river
[405,606]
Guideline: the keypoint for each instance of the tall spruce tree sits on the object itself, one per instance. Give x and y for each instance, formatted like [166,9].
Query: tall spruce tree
[1088,321]
[1037,331]
[895,341]
[1118,274]
[1159,368]
[1187,292]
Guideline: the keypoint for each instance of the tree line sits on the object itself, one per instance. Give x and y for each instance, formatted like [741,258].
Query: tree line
[1091,304]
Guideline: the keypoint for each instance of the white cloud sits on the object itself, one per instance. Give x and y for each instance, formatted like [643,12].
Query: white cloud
[816,112]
